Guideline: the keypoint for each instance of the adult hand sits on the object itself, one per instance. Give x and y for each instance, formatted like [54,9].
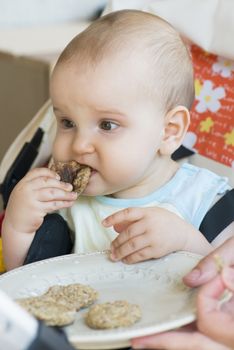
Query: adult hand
[215,322]
[214,317]
[207,269]
[186,338]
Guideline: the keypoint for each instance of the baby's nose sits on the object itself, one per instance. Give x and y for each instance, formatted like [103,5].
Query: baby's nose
[83,144]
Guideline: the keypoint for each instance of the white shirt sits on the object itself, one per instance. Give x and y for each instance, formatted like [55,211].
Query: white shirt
[189,194]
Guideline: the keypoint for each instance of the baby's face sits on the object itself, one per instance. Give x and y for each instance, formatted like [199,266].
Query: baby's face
[106,120]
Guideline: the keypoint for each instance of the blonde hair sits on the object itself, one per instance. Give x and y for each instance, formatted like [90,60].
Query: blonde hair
[170,75]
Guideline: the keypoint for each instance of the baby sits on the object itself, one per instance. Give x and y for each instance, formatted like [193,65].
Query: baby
[121,93]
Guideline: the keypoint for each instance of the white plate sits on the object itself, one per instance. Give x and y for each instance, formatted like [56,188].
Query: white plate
[155,285]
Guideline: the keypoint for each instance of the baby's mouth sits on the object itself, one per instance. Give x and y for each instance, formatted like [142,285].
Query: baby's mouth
[73,172]
[93,172]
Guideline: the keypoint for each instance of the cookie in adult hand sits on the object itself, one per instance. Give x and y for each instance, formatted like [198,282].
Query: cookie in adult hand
[73,173]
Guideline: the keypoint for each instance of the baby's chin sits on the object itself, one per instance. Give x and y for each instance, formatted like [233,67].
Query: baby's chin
[91,192]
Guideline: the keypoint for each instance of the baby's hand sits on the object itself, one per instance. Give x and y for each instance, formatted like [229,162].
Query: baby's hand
[145,233]
[37,194]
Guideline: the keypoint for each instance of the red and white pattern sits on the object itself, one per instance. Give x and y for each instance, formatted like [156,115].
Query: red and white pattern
[211,132]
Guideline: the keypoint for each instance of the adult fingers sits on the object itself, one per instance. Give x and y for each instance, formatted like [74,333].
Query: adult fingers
[227,274]
[216,320]
[208,296]
[177,340]
[206,268]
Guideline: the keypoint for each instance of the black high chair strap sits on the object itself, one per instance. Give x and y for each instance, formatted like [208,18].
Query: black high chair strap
[21,165]
[182,152]
[218,217]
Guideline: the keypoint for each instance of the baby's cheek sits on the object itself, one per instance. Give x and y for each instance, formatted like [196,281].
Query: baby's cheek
[60,150]
[55,147]
[123,177]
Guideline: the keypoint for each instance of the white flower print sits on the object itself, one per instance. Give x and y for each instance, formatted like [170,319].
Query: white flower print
[209,98]
[223,66]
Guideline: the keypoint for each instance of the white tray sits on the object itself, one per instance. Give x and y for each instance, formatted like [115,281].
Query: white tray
[155,285]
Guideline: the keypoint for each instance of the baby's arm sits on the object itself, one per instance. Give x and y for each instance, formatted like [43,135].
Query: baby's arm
[146,233]
[227,233]
[40,192]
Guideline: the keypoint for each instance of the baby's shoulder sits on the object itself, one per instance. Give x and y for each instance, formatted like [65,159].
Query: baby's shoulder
[200,179]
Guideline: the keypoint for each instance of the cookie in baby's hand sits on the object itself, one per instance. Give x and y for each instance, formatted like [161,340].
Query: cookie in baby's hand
[73,173]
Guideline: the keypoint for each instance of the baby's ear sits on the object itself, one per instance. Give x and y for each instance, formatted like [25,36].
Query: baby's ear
[176,125]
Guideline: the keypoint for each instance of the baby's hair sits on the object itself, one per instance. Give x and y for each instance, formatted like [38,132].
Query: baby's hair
[126,32]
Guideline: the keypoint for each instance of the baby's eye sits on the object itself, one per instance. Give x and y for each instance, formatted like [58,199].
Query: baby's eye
[67,124]
[108,125]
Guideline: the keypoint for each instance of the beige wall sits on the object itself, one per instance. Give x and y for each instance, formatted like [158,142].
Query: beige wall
[23,90]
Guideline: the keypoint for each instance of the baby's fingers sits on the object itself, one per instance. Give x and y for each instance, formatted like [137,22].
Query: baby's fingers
[123,216]
[54,194]
[41,172]
[49,183]
[131,231]
[141,255]
[52,206]
[129,247]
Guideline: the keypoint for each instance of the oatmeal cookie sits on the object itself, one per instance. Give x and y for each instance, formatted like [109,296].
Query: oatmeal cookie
[58,305]
[115,314]
[47,310]
[78,295]
[73,173]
